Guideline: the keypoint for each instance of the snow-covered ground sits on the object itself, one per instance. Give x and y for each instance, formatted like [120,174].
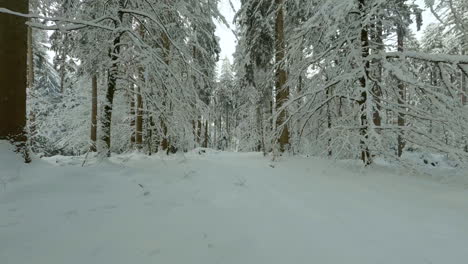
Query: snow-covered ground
[227,208]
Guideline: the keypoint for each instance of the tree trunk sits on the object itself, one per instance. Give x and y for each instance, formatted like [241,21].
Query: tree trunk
[282,92]
[139,120]
[111,87]
[132,116]
[463,88]
[365,152]
[194,130]
[149,133]
[259,124]
[464,85]
[377,89]
[199,131]
[167,50]
[214,143]
[205,143]
[32,116]
[94,111]
[13,70]
[139,99]
[329,125]
[401,96]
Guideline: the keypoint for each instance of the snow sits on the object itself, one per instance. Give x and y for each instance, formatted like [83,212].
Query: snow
[220,207]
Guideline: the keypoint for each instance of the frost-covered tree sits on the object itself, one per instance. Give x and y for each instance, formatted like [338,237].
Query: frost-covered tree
[163,53]
[357,79]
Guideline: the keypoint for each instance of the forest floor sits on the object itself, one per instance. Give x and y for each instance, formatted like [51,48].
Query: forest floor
[228,208]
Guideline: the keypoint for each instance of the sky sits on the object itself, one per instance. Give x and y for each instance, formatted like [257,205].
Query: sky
[428,18]
[226,36]
[228,40]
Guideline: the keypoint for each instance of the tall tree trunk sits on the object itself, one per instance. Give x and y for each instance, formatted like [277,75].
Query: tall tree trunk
[205,143]
[329,125]
[139,120]
[165,144]
[149,132]
[464,90]
[401,96]
[214,143]
[32,115]
[259,124]
[199,130]
[94,111]
[139,99]
[377,89]
[132,116]
[282,92]
[364,131]
[62,78]
[194,130]
[13,70]
[464,84]
[111,85]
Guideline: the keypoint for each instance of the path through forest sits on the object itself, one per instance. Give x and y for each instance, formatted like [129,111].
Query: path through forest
[226,208]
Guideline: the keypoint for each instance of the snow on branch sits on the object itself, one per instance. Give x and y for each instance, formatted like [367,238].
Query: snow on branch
[75,23]
[437,58]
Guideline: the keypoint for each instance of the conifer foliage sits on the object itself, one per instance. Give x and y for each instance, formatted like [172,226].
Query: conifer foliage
[342,79]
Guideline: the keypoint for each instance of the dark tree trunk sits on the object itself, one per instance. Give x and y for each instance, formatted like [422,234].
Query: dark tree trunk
[13,70]
[364,131]
[401,97]
[282,92]
[111,86]
[377,89]
[205,143]
[329,125]
[132,116]
[199,130]
[194,129]
[139,120]
[94,111]
[165,144]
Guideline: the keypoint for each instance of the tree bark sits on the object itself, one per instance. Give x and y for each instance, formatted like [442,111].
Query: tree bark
[139,100]
[199,131]
[32,116]
[365,152]
[94,110]
[282,92]
[401,96]
[139,120]
[132,116]
[13,70]
[205,143]
[464,85]
[329,125]
[165,144]
[377,89]
[111,86]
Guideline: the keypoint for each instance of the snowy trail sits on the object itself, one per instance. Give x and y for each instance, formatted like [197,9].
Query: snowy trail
[228,208]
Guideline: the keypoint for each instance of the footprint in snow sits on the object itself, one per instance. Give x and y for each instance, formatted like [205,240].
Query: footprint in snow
[145,193]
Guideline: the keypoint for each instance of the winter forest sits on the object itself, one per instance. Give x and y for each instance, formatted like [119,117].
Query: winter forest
[233,131]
